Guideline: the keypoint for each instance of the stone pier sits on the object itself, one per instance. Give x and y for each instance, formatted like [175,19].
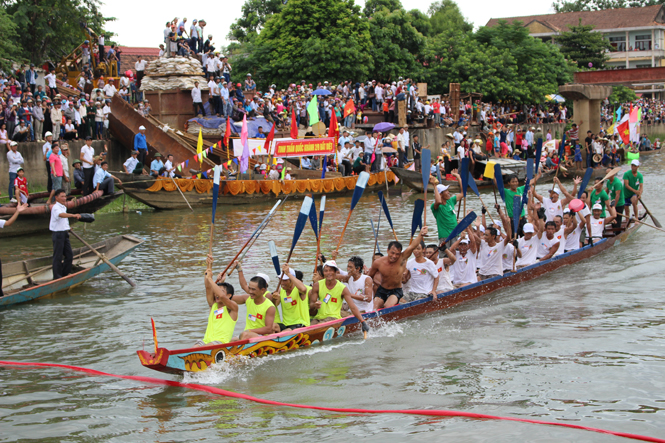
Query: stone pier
[586,105]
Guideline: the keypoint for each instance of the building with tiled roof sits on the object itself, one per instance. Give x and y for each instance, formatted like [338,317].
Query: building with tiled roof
[636,34]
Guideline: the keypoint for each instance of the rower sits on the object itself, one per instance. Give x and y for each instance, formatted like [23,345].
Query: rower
[442,266]
[552,205]
[527,247]
[598,222]
[360,285]
[443,208]
[633,183]
[512,190]
[293,298]
[573,238]
[424,276]
[616,193]
[223,310]
[391,268]
[463,271]
[599,195]
[492,251]
[260,310]
[327,296]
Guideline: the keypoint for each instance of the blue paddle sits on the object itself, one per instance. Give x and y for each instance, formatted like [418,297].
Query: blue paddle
[361,183]
[425,165]
[417,219]
[322,210]
[464,173]
[313,219]
[585,181]
[498,177]
[527,183]
[472,184]
[275,257]
[461,226]
[517,212]
[300,225]
[539,152]
[387,212]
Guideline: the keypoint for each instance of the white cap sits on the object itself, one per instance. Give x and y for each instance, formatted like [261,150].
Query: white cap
[635,162]
[286,277]
[331,264]
[528,228]
[48,134]
[482,228]
[13,143]
[464,241]
[597,206]
[557,190]
[498,223]
[264,276]
[441,188]
[141,127]
[566,211]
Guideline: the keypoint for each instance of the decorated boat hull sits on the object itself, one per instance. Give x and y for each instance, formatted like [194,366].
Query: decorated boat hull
[199,359]
[163,194]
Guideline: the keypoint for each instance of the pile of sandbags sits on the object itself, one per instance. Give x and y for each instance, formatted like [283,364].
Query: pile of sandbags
[174,66]
[172,82]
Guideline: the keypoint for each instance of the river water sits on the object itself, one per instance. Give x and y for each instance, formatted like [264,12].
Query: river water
[582,345]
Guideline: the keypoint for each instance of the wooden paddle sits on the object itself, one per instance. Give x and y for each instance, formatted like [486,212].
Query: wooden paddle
[647,224]
[300,225]
[655,221]
[183,195]
[104,259]
[425,164]
[612,172]
[384,205]
[361,183]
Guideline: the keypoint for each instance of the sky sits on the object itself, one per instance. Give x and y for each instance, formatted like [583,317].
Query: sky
[141,24]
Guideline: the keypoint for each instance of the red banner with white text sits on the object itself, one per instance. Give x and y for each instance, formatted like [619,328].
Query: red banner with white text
[303,148]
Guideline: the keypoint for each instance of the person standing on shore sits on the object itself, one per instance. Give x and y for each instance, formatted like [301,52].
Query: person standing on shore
[59,226]
[141,145]
[15,160]
[87,159]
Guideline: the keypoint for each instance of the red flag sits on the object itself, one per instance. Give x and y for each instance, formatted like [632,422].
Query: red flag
[227,132]
[349,108]
[332,131]
[294,124]
[269,138]
[624,130]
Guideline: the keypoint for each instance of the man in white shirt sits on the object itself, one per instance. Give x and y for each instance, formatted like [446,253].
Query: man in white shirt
[110,89]
[401,148]
[196,100]
[442,266]
[15,160]
[170,167]
[131,165]
[346,156]
[87,159]
[140,70]
[423,276]
[59,226]
[211,63]
[370,146]
[214,95]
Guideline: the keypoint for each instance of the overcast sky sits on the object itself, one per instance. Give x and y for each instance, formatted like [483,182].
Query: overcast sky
[142,23]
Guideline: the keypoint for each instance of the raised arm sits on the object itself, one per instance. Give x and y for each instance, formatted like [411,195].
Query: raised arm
[416,241]
[302,289]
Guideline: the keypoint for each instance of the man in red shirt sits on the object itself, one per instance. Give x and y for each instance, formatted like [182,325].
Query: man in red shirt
[436,108]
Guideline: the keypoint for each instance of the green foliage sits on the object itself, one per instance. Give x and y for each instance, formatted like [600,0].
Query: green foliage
[598,5]
[51,29]
[583,46]
[502,63]
[313,40]
[421,22]
[622,94]
[255,14]
[446,15]
[371,6]
[8,49]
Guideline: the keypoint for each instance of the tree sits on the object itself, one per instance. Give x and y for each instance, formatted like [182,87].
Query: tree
[420,21]
[622,94]
[8,49]
[445,14]
[255,14]
[371,6]
[598,5]
[584,47]
[51,29]
[313,40]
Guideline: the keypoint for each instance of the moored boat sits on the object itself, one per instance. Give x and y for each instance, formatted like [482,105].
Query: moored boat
[162,193]
[200,358]
[36,217]
[27,280]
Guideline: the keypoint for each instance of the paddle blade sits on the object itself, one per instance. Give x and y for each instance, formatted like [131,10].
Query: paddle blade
[462,225]
[322,209]
[585,181]
[363,178]
[539,152]
[417,220]
[313,219]
[274,256]
[385,208]
[562,147]
[517,212]
[426,162]
[472,185]
[529,169]
[527,183]
[464,173]
[499,181]
[154,334]
[302,220]
[215,192]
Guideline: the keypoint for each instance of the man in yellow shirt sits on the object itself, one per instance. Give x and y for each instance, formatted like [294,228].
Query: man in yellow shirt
[223,310]
[327,297]
[293,298]
[260,310]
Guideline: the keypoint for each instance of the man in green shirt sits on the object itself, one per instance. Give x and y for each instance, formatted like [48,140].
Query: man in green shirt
[599,194]
[443,208]
[633,183]
[617,197]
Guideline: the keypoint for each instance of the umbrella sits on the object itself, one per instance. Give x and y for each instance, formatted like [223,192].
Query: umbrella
[321,92]
[383,127]
[555,98]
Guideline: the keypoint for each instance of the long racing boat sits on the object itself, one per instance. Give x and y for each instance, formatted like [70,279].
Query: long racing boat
[199,359]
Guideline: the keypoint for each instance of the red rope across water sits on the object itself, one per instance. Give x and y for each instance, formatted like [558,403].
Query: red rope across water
[434,413]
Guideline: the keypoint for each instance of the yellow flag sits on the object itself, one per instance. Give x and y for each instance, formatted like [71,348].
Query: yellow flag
[199,148]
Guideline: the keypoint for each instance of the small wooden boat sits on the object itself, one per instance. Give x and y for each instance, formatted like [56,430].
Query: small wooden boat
[36,218]
[162,193]
[27,280]
[199,359]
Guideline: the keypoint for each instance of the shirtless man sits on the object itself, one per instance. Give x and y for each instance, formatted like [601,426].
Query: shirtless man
[391,268]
